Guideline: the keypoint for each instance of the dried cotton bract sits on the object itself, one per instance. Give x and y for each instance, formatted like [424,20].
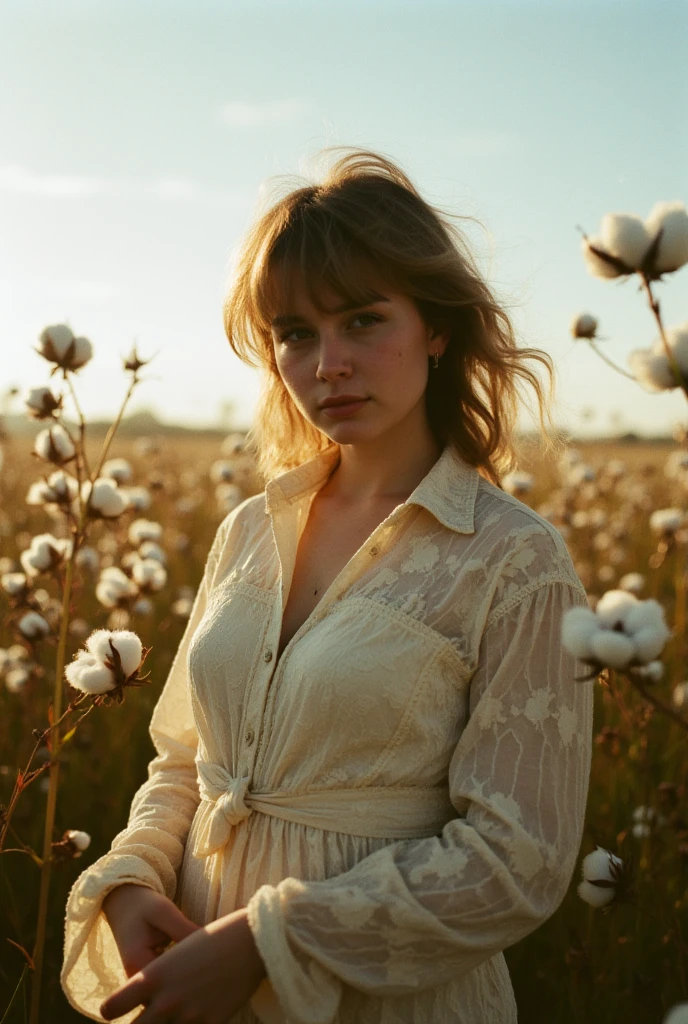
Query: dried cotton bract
[621,633]
[603,876]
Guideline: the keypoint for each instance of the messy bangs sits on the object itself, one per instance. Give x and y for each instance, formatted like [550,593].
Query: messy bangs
[363,227]
[317,254]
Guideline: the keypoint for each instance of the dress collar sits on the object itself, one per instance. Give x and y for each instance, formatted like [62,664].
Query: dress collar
[448,491]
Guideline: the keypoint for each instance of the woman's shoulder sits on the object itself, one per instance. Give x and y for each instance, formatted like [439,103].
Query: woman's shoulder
[521,544]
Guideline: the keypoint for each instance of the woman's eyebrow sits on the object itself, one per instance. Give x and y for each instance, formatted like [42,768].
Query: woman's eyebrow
[288,319]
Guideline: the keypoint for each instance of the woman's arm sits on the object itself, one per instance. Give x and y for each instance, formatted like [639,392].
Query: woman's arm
[422,912]
[149,850]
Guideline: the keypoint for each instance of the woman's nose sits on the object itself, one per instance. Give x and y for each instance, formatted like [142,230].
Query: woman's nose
[334,358]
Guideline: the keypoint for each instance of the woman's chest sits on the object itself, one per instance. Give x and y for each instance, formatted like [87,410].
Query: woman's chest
[331,537]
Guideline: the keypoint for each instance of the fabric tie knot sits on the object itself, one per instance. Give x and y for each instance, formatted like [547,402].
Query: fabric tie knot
[228,796]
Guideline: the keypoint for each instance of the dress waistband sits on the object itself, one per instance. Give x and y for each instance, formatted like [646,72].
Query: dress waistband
[377,812]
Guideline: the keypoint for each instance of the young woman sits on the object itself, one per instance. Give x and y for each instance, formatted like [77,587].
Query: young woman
[372,756]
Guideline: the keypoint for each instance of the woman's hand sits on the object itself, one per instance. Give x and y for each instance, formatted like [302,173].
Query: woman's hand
[206,977]
[143,922]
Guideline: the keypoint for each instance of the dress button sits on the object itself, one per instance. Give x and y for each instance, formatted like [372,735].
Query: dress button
[374,551]
[267,655]
[249,737]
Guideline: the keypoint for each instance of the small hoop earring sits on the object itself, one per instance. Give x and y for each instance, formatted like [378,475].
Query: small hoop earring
[437,361]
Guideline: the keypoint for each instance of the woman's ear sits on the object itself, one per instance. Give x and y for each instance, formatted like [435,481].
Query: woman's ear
[439,335]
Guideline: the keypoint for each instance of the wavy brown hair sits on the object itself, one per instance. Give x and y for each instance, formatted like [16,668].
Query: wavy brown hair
[367,216]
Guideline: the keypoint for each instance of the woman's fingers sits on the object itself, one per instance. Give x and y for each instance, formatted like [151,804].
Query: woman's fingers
[133,994]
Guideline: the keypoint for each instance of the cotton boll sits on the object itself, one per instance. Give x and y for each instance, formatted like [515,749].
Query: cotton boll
[679,697]
[137,498]
[143,529]
[612,648]
[578,627]
[594,895]
[583,325]
[601,864]
[647,614]
[81,840]
[33,626]
[672,218]
[651,370]
[677,1014]
[148,573]
[650,642]
[119,469]
[127,644]
[54,445]
[626,236]
[149,549]
[88,674]
[88,558]
[106,500]
[633,582]
[16,679]
[614,607]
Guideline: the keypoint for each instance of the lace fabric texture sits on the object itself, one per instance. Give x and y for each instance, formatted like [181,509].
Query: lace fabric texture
[399,797]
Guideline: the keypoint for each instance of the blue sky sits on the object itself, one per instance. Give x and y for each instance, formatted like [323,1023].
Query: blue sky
[137,137]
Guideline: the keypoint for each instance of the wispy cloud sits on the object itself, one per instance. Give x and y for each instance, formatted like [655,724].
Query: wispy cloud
[240,114]
[25,181]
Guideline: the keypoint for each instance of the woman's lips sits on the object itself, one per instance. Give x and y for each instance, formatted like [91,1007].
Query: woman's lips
[336,412]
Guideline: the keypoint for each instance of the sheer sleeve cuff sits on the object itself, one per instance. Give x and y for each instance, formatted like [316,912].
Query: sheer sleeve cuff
[92,967]
[307,992]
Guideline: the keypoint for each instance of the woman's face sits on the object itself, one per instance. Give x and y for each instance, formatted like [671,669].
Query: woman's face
[377,352]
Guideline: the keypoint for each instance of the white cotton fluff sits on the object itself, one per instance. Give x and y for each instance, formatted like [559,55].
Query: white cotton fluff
[578,626]
[114,585]
[144,529]
[13,583]
[54,445]
[149,549]
[626,236]
[107,500]
[41,403]
[667,520]
[633,582]
[44,551]
[596,636]
[137,498]
[672,218]
[679,697]
[127,644]
[148,572]
[677,1014]
[16,679]
[88,674]
[88,558]
[33,626]
[118,469]
[594,895]
[595,265]
[222,471]
[81,840]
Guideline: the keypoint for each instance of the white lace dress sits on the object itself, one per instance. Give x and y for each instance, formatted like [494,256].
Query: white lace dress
[397,799]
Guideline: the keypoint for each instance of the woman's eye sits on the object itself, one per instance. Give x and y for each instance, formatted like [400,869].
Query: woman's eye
[361,316]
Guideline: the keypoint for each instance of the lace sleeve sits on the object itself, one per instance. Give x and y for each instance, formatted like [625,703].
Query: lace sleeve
[421,912]
[149,850]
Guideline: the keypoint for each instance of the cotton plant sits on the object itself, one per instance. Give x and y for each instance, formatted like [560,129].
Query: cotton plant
[625,634]
[78,496]
[651,248]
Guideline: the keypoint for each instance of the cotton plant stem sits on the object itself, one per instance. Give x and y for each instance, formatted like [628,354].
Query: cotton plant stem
[654,306]
[609,361]
[39,947]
